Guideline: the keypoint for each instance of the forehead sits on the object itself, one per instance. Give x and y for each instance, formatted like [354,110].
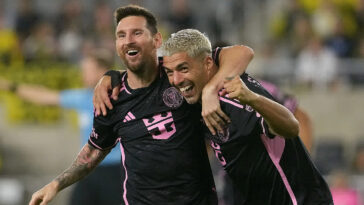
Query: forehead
[176,59]
[132,22]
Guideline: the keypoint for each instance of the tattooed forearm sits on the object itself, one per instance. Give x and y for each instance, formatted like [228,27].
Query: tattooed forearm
[86,161]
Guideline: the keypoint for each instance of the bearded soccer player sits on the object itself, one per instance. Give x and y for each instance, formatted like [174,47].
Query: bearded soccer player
[164,160]
[259,149]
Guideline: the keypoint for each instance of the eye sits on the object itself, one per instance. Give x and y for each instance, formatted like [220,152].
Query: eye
[137,33]
[121,35]
[184,69]
[169,72]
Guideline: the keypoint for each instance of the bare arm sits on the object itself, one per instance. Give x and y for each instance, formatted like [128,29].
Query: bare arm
[306,130]
[88,158]
[32,93]
[280,120]
[234,61]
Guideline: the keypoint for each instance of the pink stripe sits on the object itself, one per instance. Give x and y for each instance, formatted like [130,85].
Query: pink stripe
[232,102]
[127,118]
[275,149]
[126,174]
[95,145]
[131,115]
[123,87]
[100,147]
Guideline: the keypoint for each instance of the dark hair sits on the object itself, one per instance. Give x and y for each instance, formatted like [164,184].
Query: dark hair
[134,10]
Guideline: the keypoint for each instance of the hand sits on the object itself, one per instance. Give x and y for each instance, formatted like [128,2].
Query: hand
[44,195]
[101,95]
[236,89]
[214,117]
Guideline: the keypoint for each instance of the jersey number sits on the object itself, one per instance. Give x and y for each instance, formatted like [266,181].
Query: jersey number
[160,126]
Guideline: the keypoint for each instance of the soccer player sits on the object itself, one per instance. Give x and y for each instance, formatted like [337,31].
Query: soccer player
[259,149]
[164,159]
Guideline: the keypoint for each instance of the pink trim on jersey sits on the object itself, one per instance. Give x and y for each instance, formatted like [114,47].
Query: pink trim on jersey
[90,139]
[95,145]
[275,148]
[123,87]
[232,102]
[126,174]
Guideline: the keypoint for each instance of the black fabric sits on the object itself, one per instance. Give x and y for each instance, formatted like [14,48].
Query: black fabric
[246,150]
[163,152]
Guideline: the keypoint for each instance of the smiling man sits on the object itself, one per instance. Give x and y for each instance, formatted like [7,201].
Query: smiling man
[259,149]
[164,159]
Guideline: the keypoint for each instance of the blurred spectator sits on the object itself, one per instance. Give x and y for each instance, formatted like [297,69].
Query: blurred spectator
[339,41]
[317,66]
[324,19]
[69,29]
[26,19]
[342,192]
[180,16]
[102,31]
[41,44]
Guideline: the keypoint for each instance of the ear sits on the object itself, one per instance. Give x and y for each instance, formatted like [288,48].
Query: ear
[157,38]
[209,63]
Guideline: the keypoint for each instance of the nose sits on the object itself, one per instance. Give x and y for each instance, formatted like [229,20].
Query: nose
[177,78]
[129,39]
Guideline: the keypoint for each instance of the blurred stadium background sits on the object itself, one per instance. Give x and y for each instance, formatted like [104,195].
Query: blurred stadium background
[311,49]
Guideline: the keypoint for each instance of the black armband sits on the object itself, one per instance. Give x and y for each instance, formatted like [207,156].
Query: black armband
[115,77]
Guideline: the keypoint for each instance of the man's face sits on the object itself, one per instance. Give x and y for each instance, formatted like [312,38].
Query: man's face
[188,75]
[135,44]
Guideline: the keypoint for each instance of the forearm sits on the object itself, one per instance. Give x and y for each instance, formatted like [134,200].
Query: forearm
[88,158]
[37,94]
[234,60]
[279,119]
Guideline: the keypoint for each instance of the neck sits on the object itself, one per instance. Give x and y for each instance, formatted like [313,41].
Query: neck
[144,78]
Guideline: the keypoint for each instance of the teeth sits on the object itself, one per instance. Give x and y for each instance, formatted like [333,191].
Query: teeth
[132,52]
[185,88]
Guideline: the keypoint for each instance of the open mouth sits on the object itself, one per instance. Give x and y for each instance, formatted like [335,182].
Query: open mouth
[132,52]
[186,90]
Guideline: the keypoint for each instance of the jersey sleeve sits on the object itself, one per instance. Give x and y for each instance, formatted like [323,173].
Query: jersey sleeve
[103,135]
[257,87]
[215,55]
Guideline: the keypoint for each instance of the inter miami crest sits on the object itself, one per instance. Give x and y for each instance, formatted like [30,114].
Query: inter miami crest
[172,97]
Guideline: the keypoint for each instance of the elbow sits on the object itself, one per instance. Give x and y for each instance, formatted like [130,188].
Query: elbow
[293,130]
[247,51]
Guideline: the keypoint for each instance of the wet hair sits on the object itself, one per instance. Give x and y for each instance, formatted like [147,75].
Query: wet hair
[191,41]
[134,10]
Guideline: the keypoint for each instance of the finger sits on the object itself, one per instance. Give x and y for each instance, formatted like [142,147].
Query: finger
[105,100]
[103,109]
[115,93]
[223,116]
[208,125]
[96,106]
[216,122]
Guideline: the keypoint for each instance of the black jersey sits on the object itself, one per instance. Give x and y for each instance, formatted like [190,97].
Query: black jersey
[264,168]
[164,159]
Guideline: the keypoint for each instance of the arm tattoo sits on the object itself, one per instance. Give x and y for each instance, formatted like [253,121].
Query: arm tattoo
[88,158]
